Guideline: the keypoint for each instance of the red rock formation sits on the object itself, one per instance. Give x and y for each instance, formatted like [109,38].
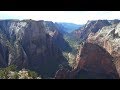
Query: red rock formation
[109,37]
[94,62]
[96,59]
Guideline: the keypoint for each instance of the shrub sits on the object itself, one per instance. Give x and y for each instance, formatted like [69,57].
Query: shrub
[32,74]
[11,73]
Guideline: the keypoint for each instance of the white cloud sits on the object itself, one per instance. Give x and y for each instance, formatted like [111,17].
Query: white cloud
[78,17]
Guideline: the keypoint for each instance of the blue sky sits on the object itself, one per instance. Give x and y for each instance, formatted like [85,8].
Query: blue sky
[78,17]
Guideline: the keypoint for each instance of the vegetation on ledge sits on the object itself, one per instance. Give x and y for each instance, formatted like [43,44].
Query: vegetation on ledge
[10,72]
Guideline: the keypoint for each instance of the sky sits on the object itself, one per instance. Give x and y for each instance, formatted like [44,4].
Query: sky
[77,17]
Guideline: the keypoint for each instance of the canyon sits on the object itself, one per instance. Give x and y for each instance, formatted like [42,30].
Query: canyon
[90,51]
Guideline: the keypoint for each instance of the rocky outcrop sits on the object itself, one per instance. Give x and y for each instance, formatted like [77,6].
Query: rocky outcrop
[109,38]
[30,44]
[94,62]
[97,61]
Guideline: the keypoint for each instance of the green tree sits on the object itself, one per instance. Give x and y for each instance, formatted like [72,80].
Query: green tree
[5,71]
[32,74]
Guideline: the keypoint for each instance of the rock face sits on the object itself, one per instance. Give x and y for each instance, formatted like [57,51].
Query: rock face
[57,36]
[94,62]
[62,73]
[90,27]
[109,38]
[3,56]
[30,44]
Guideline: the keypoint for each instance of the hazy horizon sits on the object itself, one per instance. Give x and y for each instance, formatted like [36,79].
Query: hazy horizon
[76,17]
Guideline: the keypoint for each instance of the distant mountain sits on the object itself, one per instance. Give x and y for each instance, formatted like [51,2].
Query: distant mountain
[115,21]
[68,27]
[60,28]
[91,26]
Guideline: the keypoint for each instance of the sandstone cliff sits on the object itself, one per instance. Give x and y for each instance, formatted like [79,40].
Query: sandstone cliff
[94,62]
[109,38]
[27,44]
